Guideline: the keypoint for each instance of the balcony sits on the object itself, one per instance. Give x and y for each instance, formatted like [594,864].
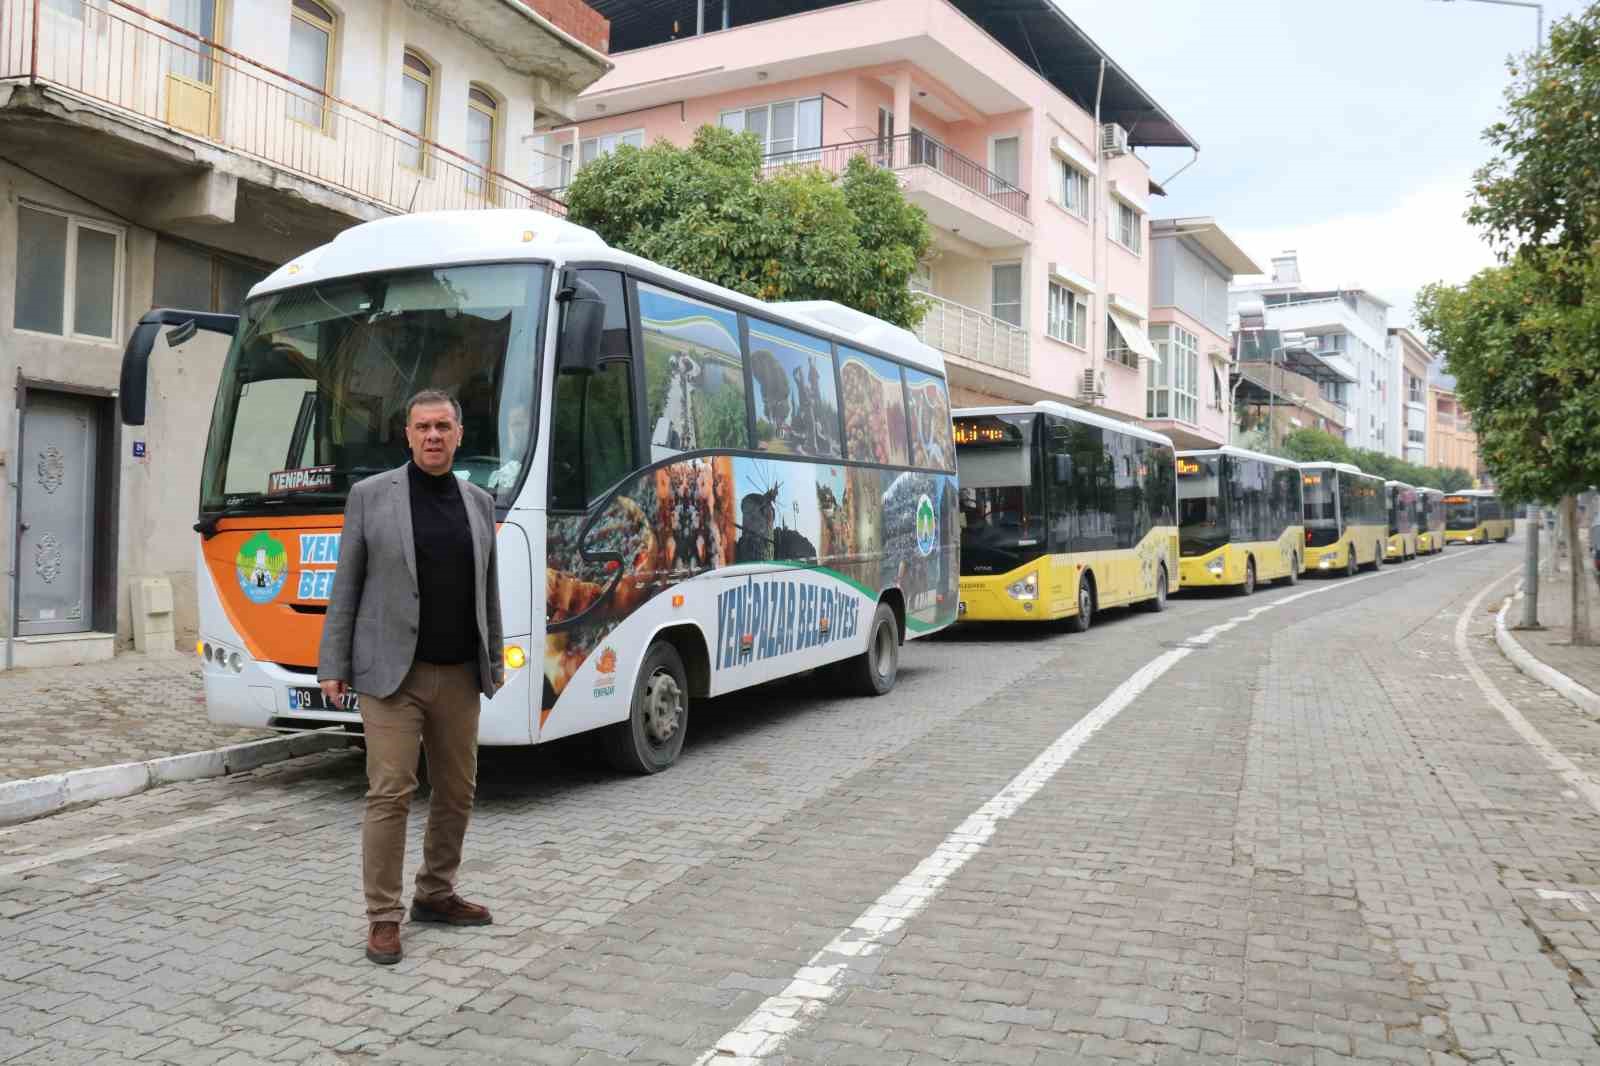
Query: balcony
[957,193]
[1272,386]
[965,333]
[154,75]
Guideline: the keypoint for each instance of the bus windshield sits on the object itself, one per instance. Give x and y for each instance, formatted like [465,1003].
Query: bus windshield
[1322,508]
[1460,512]
[1002,520]
[313,395]
[1202,525]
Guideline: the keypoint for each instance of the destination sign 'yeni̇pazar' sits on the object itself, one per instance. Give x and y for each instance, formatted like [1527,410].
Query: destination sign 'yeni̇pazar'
[984,433]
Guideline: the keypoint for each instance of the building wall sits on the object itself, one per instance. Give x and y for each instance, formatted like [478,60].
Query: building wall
[902,35]
[1451,441]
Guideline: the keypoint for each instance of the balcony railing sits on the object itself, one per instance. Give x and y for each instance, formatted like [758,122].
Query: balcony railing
[958,330]
[129,60]
[905,152]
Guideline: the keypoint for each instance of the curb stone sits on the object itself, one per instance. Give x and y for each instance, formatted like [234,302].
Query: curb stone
[1576,694]
[35,797]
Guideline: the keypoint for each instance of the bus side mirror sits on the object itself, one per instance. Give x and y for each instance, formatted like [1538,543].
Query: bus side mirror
[135,378]
[582,329]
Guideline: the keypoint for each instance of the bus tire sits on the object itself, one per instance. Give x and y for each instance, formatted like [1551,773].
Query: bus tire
[1249,585]
[1293,576]
[1377,557]
[651,737]
[1158,602]
[873,672]
[1351,564]
[1080,622]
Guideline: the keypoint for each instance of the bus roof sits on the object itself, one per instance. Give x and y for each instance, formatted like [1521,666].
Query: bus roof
[1343,468]
[444,238]
[1242,453]
[1061,410]
[1398,485]
[1480,493]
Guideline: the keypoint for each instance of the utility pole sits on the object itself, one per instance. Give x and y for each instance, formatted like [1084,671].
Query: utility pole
[1538,10]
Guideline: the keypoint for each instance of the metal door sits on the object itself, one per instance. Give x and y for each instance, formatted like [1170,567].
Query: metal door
[56,563]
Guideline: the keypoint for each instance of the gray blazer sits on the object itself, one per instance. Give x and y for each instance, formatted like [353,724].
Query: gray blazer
[369,638]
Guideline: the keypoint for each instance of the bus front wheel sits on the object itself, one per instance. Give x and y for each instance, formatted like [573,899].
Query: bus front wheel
[873,672]
[651,738]
[1080,622]
[1249,586]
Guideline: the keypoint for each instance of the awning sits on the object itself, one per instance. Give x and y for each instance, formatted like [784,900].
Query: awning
[1133,334]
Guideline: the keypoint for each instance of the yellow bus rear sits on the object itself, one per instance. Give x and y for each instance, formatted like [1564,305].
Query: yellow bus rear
[1430,521]
[1402,506]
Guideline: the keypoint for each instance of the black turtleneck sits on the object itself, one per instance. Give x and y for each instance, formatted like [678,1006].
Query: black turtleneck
[447,629]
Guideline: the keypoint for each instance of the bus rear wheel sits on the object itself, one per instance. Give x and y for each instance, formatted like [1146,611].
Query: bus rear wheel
[1159,601]
[873,672]
[651,737]
[1351,564]
[1249,586]
[1293,576]
[1080,622]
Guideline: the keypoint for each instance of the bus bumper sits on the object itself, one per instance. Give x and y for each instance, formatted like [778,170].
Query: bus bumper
[1465,536]
[1211,570]
[1396,548]
[1329,557]
[1031,593]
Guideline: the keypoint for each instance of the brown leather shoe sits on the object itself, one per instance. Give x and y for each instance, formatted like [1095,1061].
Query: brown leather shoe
[383,943]
[451,910]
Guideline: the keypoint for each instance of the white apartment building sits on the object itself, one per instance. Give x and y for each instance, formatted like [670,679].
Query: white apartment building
[171,155]
[1346,331]
[1410,415]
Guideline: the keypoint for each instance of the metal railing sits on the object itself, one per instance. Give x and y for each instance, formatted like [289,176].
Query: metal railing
[958,330]
[117,55]
[905,152]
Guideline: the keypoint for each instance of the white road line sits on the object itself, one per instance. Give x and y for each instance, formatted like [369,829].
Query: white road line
[766,1029]
[1565,767]
[221,814]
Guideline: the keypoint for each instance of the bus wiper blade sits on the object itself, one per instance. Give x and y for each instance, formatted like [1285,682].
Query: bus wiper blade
[207,526]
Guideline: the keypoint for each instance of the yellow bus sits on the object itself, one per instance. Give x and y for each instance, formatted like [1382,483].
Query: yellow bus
[1475,516]
[1402,501]
[1430,521]
[1240,519]
[1346,524]
[1063,514]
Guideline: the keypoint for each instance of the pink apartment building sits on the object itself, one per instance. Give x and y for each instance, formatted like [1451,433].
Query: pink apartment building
[1040,283]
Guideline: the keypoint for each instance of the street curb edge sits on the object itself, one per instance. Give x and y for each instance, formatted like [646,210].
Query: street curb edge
[1576,694]
[35,797]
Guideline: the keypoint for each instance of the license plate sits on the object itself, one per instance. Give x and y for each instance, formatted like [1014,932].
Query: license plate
[313,699]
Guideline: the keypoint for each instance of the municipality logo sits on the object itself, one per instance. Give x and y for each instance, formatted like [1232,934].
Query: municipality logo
[927,527]
[262,565]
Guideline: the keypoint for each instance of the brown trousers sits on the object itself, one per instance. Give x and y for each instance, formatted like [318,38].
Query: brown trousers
[435,707]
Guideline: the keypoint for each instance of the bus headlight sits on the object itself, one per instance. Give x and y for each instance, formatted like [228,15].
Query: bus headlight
[1216,566]
[1026,589]
[515,657]
[1324,563]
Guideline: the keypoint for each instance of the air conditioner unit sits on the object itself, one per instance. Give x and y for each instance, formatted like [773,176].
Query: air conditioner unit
[1093,386]
[1113,140]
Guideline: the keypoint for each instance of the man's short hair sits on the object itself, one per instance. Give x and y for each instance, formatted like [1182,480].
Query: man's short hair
[433,396]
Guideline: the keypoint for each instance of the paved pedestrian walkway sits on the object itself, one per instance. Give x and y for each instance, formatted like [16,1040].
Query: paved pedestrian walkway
[127,710]
[1553,645]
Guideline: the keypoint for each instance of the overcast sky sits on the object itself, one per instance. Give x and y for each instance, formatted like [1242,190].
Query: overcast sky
[1347,130]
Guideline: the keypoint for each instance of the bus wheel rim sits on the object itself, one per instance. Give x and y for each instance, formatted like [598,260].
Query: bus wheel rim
[663,708]
[882,652]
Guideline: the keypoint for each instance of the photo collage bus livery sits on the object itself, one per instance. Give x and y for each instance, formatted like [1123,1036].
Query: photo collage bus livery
[1430,521]
[1403,523]
[1063,514]
[1346,520]
[717,491]
[1475,516]
[1240,519]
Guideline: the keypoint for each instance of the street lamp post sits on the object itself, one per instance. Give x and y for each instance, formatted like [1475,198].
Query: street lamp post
[1538,10]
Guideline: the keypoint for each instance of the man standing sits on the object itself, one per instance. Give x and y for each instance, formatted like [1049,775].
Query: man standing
[413,627]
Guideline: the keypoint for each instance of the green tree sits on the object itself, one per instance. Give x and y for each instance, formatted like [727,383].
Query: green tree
[799,234]
[1315,446]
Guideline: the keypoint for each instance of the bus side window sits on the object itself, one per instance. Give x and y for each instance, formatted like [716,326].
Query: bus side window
[694,374]
[592,420]
[1059,485]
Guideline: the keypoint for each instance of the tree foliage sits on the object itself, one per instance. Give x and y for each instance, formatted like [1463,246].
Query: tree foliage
[798,234]
[1313,446]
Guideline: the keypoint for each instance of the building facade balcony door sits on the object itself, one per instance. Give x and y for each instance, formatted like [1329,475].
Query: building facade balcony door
[192,68]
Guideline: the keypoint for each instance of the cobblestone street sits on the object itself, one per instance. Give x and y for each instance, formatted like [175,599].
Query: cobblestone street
[1294,828]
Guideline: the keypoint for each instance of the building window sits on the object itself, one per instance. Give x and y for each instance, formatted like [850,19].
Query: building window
[1174,389]
[1415,436]
[197,279]
[1069,315]
[592,148]
[1117,348]
[1129,228]
[790,130]
[69,273]
[416,104]
[1216,389]
[482,118]
[1414,389]
[1005,159]
[310,61]
[1005,302]
[1071,189]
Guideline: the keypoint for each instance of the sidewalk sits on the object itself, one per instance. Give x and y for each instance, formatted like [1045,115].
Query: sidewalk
[1552,645]
[127,710]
